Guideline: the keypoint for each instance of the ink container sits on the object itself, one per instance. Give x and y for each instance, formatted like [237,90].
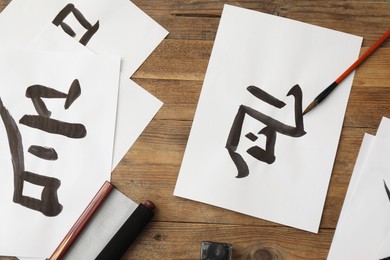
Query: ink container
[215,251]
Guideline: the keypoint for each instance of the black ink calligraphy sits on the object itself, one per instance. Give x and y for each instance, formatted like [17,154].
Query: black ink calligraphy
[387,190]
[272,127]
[43,121]
[46,153]
[48,204]
[53,126]
[67,10]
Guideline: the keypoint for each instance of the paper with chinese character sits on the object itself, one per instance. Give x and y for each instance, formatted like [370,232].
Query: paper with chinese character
[250,149]
[114,27]
[364,225]
[363,229]
[384,249]
[136,107]
[365,148]
[57,114]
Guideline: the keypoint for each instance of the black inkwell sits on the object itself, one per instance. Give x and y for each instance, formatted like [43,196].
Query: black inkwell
[215,251]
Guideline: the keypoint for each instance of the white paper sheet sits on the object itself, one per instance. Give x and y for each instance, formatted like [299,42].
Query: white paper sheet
[83,163]
[384,248]
[357,170]
[136,107]
[361,231]
[124,30]
[273,54]
[365,148]
[365,222]
[384,128]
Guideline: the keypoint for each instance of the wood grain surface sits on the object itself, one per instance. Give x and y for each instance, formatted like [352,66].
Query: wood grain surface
[174,73]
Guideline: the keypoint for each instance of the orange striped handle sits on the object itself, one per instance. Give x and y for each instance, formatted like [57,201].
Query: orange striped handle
[363,57]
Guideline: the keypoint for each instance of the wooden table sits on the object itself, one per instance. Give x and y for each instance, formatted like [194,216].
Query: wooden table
[174,73]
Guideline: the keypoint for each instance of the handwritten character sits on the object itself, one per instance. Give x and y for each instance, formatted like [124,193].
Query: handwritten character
[67,10]
[48,204]
[272,127]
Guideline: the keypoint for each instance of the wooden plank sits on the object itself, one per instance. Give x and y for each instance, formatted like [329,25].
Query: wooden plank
[343,7]
[177,60]
[199,19]
[196,27]
[165,240]
[188,60]
[175,72]
[3,4]
[181,97]
[367,105]
[150,169]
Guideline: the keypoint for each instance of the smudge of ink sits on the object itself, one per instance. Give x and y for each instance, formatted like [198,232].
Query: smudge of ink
[48,204]
[70,8]
[272,127]
[46,153]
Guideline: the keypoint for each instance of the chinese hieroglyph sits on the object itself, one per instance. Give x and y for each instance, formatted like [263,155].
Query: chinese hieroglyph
[272,127]
[48,204]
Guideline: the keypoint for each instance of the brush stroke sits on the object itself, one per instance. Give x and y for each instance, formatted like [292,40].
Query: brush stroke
[70,8]
[48,204]
[46,153]
[53,126]
[73,93]
[264,96]
[43,120]
[37,92]
[251,136]
[387,190]
[272,127]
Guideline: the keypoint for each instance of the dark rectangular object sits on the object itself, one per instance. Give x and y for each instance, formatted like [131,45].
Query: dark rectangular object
[106,228]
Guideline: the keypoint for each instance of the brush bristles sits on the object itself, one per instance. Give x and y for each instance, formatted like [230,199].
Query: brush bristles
[310,107]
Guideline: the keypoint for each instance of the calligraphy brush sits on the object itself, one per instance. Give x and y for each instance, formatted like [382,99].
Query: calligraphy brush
[332,86]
